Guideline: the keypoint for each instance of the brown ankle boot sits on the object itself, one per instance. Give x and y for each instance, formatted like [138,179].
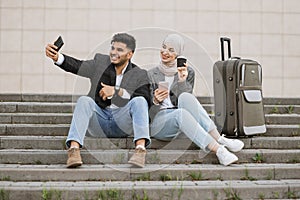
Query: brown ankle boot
[74,158]
[138,158]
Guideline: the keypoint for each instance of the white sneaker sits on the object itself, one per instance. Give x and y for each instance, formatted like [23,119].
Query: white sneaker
[233,145]
[225,157]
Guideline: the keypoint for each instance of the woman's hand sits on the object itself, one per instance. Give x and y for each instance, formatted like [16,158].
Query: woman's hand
[182,73]
[160,95]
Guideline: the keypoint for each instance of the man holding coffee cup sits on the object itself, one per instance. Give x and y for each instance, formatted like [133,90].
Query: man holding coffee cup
[175,110]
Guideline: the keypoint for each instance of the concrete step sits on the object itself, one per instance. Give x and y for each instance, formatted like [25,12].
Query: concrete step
[67,107]
[36,118]
[36,107]
[282,109]
[154,190]
[120,156]
[62,130]
[35,129]
[38,98]
[73,98]
[282,118]
[266,100]
[151,172]
[58,143]
[65,118]
[281,101]
[280,130]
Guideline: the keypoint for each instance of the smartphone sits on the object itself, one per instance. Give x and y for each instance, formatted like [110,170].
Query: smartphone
[163,85]
[59,43]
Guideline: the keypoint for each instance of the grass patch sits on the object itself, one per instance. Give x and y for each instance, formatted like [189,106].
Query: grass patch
[136,196]
[261,196]
[38,162]
[4,195]
[6,178]
[144,177]
[196,176]
[51,194]
[292,195]
[111,194]
[289,109]
[247,177]
[166,177]
[231,194]
[274,110]
[258,158]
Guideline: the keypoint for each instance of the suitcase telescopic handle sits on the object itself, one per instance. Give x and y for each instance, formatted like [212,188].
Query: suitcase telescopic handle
[223,40]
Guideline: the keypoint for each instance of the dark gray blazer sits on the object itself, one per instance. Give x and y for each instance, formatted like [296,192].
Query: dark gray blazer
[92,69]
[155,76]
[100,69]
[135,82]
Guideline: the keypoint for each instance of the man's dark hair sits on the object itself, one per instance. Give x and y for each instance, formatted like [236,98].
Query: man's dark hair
[126,39]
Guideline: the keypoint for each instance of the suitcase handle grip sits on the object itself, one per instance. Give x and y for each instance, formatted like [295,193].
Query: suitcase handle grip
[235,57]
[225,39]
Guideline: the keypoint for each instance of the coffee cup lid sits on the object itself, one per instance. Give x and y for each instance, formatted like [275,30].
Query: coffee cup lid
[183,57]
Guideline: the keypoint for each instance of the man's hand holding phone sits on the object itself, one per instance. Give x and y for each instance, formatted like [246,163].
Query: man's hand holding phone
[162,92]
[52,49]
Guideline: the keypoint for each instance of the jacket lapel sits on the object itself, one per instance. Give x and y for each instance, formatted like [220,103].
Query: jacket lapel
[126,75]
[112,74]
[129,67]
[158,76]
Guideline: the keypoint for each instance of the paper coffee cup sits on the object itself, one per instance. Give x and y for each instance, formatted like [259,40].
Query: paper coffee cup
[180,61]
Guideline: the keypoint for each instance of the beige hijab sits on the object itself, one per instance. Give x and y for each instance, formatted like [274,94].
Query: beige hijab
[177,42]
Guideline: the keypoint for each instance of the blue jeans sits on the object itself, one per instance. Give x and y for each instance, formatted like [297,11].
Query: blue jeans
[91,120]
[190,118]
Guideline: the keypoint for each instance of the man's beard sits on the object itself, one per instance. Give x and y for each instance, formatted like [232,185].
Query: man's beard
[121,63]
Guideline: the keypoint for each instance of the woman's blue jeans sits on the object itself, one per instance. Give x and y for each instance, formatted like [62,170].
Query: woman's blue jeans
[190,118]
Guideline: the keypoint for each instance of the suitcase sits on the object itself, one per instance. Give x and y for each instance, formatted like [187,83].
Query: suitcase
[238,99]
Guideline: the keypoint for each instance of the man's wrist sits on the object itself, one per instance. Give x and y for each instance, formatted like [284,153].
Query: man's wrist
[60,59]
[117,90]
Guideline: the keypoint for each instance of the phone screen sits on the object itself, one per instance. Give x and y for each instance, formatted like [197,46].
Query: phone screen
[59,43]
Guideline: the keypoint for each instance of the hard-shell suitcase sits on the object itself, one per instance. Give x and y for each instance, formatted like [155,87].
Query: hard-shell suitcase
[239,109]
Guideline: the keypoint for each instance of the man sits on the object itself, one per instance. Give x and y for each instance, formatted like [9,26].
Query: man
[117,102]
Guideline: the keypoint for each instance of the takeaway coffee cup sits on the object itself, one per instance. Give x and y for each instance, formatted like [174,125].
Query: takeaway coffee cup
[180,61]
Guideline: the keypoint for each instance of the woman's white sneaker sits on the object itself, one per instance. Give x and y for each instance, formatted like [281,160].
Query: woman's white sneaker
[225,157]
[233,145]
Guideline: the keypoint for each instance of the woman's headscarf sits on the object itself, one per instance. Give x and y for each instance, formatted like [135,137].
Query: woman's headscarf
[177,42]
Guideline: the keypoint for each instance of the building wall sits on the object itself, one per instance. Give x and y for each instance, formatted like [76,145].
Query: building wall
[264,30]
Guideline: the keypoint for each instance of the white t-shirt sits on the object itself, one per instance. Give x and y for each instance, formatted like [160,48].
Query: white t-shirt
[167,102]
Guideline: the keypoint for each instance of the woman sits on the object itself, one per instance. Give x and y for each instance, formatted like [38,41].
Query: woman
[175,110]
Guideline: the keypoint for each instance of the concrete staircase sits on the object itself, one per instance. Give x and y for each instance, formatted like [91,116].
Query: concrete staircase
[33,129]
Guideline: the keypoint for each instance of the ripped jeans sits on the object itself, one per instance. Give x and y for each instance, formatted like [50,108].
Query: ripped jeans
[91,120]
[190,118]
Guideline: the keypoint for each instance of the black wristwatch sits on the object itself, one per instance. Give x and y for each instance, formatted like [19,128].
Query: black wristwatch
[117,89]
